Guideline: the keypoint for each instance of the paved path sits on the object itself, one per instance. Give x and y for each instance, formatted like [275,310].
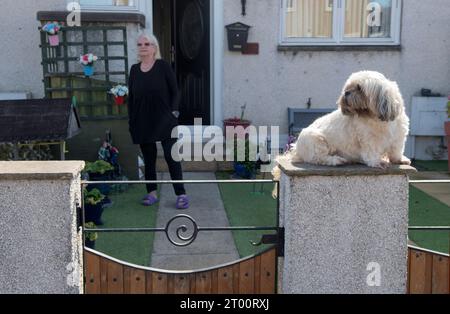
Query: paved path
[440,191]
[210,248]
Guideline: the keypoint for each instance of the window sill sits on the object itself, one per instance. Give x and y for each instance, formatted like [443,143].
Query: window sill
[296,48]
[104,17]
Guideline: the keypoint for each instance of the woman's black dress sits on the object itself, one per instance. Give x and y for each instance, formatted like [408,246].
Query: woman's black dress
[153,95]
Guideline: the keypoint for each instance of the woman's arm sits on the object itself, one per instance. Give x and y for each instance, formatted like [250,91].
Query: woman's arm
[173,87]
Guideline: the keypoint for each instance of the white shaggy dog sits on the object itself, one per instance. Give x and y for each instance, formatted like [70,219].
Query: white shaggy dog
[370,127]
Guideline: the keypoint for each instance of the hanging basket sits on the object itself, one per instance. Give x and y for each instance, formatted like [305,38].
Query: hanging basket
[119,100]
[88,70]
[53,40]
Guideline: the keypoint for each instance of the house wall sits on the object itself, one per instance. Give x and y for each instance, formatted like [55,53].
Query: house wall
[20,66]
[272,81]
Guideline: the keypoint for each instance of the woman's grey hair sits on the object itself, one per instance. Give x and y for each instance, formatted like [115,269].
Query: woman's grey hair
[153,40]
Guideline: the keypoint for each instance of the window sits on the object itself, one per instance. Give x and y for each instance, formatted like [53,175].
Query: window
[110,5]
[341,22]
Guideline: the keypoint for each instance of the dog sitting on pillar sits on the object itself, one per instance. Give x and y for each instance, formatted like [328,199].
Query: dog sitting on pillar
[370,127]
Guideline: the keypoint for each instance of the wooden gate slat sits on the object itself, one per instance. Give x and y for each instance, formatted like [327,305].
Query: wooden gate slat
[225,280]
[203,282]
[92,273]
[440,276]
[148,282]
[159,283]
[421,268]
[257,286]
[247,276]
[115,278]
[181,284]
[268,272]
[104,275]
[134,281]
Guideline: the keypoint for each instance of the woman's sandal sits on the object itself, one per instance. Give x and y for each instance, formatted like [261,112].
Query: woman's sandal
[182,202]
[149,200]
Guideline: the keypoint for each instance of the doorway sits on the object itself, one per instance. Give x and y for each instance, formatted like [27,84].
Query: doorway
[183,29]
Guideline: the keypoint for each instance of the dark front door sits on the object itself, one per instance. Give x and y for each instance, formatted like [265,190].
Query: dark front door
[191,40]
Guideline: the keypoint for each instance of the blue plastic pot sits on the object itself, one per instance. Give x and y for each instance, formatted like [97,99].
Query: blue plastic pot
[88,70]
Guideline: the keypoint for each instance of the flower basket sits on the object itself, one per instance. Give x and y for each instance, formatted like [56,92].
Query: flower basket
[88,70]
[119,92]
[119,100]
[87,61]
[53,40]
[52,29]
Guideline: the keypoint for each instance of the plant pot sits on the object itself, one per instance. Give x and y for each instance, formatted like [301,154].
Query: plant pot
[88,70]
[242,171]
[90,244]
[53,40]
[119,100]
[447,133]
[93,213]
[236,122]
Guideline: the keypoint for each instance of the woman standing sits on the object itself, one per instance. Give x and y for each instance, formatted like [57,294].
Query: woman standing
[153,114]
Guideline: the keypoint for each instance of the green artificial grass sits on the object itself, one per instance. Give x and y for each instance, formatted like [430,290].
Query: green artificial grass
[127,212]
[425,210]
[245,207]
[431,165]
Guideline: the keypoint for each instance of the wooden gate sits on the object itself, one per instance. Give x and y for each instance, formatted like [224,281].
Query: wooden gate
[252,275]
[428,272]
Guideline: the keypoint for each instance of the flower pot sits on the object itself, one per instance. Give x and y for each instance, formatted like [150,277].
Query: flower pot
[93,213]
[53,40]
[119,100]
[236,122]
[90,244]
[243,172]
[88,70]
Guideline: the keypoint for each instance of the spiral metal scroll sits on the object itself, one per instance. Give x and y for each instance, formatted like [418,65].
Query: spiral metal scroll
[181,231]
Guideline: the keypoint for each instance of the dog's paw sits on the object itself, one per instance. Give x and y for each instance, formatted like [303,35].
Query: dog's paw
[403,161]
[381,164]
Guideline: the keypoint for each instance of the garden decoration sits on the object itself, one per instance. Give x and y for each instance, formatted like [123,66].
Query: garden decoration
[87,61]
[52,29]
[119,92]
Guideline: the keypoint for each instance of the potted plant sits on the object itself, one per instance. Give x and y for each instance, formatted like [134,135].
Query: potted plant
[99,170]
[52,29]
[246,168]
[447,131]
[93,206]
[90,237]
[119,92]
[87,61]
[235,122]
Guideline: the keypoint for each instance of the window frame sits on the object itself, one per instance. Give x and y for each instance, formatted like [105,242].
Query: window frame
[338,23]
[138,7]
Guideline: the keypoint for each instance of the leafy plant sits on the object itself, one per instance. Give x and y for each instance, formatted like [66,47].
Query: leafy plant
[100,166]
[93,197]
[91,236]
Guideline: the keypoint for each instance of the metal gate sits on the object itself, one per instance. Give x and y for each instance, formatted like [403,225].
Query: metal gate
[251,275]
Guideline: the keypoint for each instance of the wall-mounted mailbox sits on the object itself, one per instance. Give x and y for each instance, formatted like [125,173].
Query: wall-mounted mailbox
[237,36]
